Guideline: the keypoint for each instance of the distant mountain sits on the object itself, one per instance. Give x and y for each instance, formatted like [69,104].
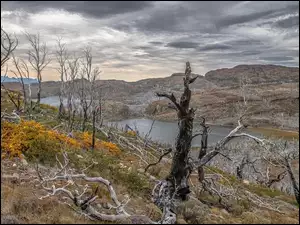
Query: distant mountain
[255,74]
[6,79]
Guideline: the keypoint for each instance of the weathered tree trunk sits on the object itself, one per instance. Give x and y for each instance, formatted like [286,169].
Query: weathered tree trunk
[85,119]
[94,128]
[293,180]
[39,88]
[203,150]
[176,184]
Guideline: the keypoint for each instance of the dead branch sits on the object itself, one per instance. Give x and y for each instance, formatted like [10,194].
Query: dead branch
[160,158]
[8,45]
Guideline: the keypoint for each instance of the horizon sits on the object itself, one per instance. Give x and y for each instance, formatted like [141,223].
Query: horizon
[13,77]
[133,41]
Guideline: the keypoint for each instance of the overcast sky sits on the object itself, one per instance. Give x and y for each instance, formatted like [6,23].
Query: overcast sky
[137,40]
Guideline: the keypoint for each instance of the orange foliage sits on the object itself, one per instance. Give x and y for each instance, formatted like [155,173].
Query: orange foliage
[18,137]
[113,148]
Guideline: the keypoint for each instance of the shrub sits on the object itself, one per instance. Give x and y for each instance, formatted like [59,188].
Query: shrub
[36,141]
[132,133]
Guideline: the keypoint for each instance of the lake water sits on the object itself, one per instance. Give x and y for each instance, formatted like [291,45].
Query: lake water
[166,132]
[163,132]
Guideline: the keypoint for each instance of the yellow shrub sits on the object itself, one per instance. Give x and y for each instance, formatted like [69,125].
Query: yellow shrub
[32,137]
[18,138]
[131,132]
[113,148]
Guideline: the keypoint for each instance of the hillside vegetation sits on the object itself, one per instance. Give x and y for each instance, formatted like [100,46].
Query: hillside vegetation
[34,145]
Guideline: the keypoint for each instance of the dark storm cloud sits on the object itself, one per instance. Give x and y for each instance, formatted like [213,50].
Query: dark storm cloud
[156,42]
[182,44]
[254,52]
[89,8]
[211,47]
[245,42]
[233,20]
[292,21]
[152,38]
[277,58]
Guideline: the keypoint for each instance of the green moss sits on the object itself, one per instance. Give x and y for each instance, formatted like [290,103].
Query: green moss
[263,191]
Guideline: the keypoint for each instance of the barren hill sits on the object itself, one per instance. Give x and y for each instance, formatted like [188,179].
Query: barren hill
[255,74]
[272,91]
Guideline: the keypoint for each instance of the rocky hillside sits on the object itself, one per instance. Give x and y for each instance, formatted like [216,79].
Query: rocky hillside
[273,92]
[255,74]
[269,105]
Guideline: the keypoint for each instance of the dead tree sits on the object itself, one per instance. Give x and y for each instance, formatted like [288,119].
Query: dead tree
[62,57]
[85,93]
[11,94]
[286,156]
[38,59]
[175,188]
[96,107]
[71,74]
[79,194]
[176,185]
[8,45]
[22,72]
[203,148]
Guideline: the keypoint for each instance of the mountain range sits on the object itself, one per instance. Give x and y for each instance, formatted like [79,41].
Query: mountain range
[272,93]
[6,79]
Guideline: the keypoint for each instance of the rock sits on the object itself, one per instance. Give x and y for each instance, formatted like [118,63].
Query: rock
[140,170]
[14,165]
[246,182]
[80,156]
[224,211]
[152,178]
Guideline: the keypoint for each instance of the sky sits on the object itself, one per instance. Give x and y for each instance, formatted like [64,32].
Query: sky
[135,40]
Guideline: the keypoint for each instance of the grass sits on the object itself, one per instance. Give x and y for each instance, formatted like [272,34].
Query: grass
[272,132]
[21,200]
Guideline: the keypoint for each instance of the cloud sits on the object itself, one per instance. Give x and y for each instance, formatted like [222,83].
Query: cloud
[277,58]
[291,21]
[88,8]
[134,40]
[215,47]
[182,44]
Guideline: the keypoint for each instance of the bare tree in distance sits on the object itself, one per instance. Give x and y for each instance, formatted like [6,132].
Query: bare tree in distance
[22,72]
[71,73]
[62,57]
[38,59]
[11,94]
[8,45]
[87,85]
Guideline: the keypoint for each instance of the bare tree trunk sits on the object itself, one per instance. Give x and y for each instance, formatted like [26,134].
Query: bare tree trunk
[180,172]
[39,89]
[94,128]
[38,58]
[293,180]
[203,149]
[85,119]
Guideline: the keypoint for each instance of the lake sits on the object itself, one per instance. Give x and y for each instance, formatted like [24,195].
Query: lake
[163,132]
[166,132]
